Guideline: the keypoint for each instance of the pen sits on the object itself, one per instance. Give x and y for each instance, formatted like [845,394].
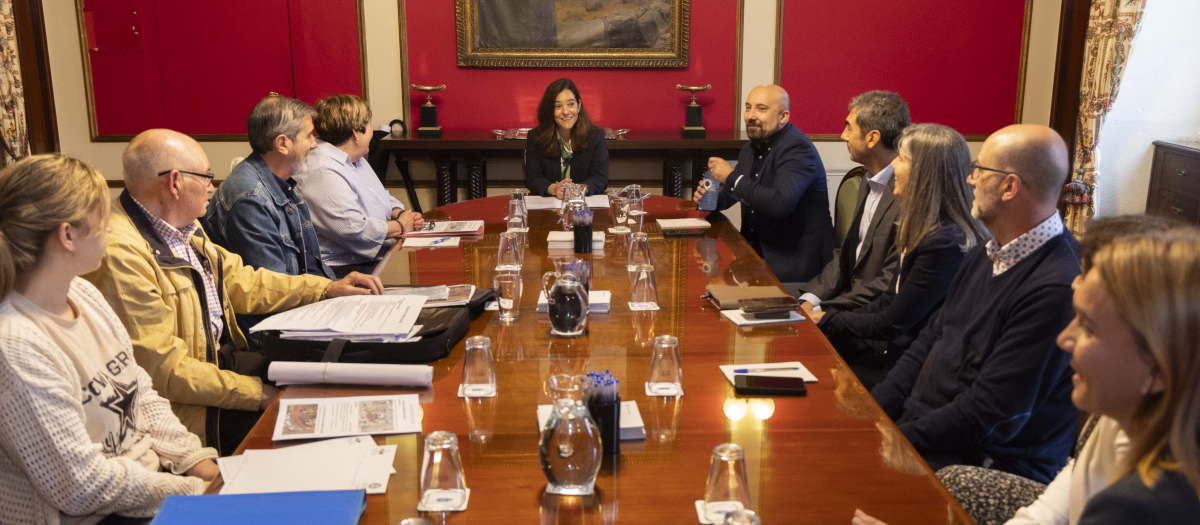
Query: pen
[763,369]
[439,241]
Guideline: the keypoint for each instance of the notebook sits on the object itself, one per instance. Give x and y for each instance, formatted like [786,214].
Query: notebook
[332,507]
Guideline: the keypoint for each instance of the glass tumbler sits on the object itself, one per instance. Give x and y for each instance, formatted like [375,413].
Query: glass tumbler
[639,251]
[742,517]
[727,490]
[519,196]
[508,296]
[479,370]
[619,207]
[516,216]
[666,373]
[643,293]
[510,253]
[442,485]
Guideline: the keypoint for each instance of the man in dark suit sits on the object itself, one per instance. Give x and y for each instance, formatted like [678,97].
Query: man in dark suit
[863,266]
[780,182]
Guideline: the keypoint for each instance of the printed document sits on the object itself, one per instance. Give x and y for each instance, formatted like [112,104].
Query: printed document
[347,416]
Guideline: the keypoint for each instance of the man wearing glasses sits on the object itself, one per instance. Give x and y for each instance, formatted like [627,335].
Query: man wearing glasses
[985,384]
[177,293]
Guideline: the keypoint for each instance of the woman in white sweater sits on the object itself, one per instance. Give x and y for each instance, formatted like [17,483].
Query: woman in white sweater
[83,434]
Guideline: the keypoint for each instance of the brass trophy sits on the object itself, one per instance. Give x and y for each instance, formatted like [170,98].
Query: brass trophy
[429,128]
[693,127]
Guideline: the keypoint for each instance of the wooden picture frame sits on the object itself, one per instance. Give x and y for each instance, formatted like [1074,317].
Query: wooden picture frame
[598,33]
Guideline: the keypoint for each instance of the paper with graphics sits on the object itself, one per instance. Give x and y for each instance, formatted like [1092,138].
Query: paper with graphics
[347,416]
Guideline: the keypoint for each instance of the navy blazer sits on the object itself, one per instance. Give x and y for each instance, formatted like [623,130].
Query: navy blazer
[899,316]
[1172,501]
[785,206]
[588,166]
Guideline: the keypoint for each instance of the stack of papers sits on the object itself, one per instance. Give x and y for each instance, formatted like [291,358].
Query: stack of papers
[632,427]
[431,242]
[599,302]
[669,225]
[294,373]
[331,507]
[739,318]
[558,241]
[347,416]
[390,318]
[335,464]
[446,228]
[535,202]
[437,296]
[785,369]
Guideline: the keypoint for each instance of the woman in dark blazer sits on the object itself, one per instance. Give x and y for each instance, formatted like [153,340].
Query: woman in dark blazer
[566,146]
[935,231]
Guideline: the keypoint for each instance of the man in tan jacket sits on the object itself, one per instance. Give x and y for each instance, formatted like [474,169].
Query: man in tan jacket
[177,292]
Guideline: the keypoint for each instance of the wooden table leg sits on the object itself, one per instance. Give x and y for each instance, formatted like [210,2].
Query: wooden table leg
[447,181]
[476,178]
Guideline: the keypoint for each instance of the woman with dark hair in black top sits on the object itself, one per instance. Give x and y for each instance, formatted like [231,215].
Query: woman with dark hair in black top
[566,146]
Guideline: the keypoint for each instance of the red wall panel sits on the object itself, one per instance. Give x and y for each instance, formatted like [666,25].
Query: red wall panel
[646,99]
[325,48]
[122,51]
[956,63]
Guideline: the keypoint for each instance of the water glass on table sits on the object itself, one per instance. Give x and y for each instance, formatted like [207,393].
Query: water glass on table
[443,487]
[510,253]
[639,251]
[619,207]
[508,296]
[517,216]
[728,489]
[479,370]
[643,293]
[666,373]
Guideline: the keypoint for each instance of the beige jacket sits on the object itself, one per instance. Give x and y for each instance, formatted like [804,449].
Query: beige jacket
[159,299]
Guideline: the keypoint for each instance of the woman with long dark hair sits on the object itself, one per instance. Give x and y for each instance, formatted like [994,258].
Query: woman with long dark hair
[566,146]
[935,231]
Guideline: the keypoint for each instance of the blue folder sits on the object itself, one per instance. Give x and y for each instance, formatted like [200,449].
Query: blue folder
[333,507]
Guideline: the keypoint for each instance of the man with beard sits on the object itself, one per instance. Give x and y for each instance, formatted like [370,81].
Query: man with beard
[257,213]
[177,293]
[863,265]
[984,383]
[780,182]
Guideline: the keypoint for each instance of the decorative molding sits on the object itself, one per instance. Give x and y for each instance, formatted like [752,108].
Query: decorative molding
[404,93]
[362,49]
[465,17]
[779,42]
[1024,61]
[737,79]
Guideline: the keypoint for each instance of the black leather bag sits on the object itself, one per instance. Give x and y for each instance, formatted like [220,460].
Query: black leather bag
[442,328]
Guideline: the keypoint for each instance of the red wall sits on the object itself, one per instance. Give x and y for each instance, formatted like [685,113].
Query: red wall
[199,67]
[955,62]
[645,99]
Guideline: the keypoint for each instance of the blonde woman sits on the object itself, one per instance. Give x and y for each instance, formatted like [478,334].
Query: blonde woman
[1135,348]
[934,233]
[356,219]
[83,433]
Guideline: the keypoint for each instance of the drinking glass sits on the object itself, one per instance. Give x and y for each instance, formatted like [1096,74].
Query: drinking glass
[508,296]
[415,521]
[519,196]
[743,517]
[643,295]
[666,373]
[639,251]
[508,259]
[516,216]
[633,194]
[479,370]
[564,386]
[619,207]
[727,488]
[442,485]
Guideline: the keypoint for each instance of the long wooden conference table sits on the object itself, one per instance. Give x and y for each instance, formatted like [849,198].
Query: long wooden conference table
[809,460]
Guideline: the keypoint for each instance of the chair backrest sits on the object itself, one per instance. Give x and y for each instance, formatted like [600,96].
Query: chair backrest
[235,162]
[846,200]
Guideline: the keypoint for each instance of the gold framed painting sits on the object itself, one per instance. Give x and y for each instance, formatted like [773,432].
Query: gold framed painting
[572,33]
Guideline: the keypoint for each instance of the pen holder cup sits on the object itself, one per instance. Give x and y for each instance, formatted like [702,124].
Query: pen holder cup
[608,420]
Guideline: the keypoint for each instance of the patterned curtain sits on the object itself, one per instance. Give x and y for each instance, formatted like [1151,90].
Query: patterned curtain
[1112,25]
[15,134]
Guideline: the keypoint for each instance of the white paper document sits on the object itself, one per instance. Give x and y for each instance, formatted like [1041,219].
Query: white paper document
[336,464]
[683,224]
[535,202]
[632,427]
[446,228]
[352,315]
[437,296]
[563,239]
[431,242]
[599,302]
[739,318]
[293,373]
[347,416]
[785,369]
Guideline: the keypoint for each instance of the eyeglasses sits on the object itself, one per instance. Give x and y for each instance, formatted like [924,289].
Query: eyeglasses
[208,176]
[975,166]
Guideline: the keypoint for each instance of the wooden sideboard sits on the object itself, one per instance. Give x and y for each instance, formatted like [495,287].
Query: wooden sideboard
[1175,182]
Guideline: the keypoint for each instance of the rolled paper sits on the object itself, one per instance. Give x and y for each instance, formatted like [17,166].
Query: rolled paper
[288,372]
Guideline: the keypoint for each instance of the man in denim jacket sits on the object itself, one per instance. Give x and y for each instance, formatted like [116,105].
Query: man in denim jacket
[256,212]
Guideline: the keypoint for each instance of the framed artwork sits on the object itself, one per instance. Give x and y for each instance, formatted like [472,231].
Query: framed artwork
[572,33]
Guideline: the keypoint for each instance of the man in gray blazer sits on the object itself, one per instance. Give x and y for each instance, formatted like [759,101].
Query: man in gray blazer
[863,266]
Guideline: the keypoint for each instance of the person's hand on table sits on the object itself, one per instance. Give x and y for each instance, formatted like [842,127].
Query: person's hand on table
[355,284]
[206,470]
[812,315]
[862,518]
[410,220]
[268,395]
[720,168]
[559,188]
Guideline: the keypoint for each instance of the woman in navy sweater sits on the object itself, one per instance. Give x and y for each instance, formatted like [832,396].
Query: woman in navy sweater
[935,231]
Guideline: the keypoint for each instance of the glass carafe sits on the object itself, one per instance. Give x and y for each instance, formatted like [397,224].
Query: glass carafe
[570,449]
[567,303]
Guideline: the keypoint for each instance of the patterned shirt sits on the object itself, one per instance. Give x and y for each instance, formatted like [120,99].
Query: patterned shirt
[1007,256]
[180,243]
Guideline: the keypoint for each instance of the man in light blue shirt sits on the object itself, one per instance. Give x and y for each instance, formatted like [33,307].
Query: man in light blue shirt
[356,219]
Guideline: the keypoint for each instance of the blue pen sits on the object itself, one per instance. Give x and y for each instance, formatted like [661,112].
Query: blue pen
[439,241]
[763,369]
